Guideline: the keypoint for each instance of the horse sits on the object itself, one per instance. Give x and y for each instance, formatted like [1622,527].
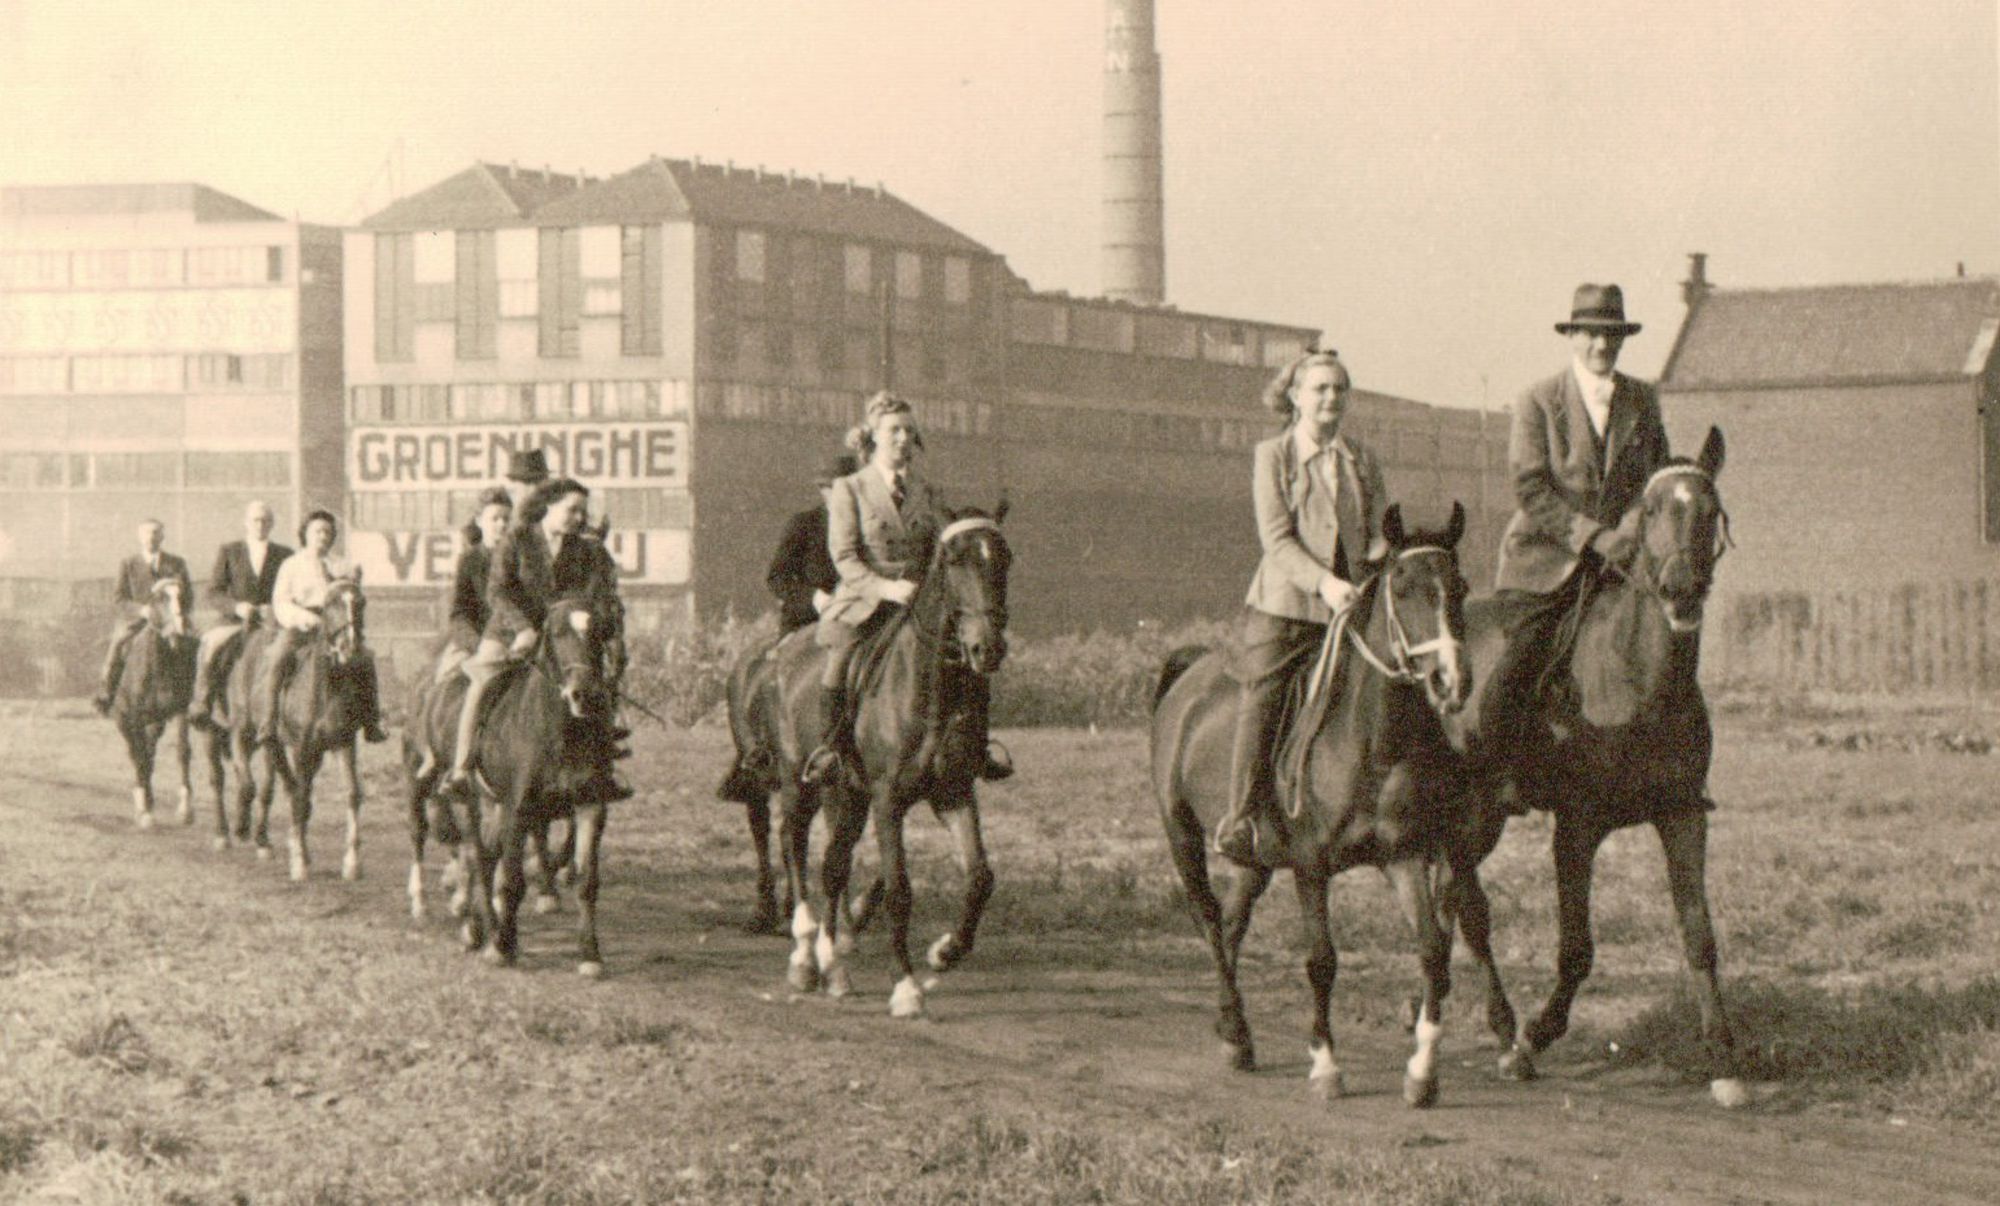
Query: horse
[910,734]
[537,745]
[154,690]
[1634,748]
[746,782]
[319,713]
[1376,781]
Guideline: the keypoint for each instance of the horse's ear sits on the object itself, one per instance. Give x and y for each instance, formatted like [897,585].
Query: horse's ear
[1392,525]
[1710,459]
[1456,528]
[1000,508]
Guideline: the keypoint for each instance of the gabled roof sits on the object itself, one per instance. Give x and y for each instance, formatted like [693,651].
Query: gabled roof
[204,203]
[485,194]
[1836,335]
[669,190]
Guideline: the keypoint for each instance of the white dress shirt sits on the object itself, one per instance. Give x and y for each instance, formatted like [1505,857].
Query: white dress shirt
[302,584]
[1596,393]
[258,550]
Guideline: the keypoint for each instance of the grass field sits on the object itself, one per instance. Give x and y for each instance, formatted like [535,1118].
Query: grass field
[179,1025]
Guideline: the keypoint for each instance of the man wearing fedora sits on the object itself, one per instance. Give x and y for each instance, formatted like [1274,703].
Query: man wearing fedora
[802,573]
[526,469]
[1583,444]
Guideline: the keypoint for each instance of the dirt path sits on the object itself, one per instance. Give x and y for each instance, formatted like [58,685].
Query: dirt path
[1106,1032]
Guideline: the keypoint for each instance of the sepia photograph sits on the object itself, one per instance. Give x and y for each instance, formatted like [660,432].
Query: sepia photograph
[1128,601]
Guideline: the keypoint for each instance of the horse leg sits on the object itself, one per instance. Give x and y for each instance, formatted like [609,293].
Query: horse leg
[961,819]
[298,789]
[275,768]
[213,744]
[1233,1027]
[350,859]
[1325,1081]
[846,820]
[587,829]
[801,972]
[764,920]
[1575,848]
[511,882]
[907,999]
[184,748]
[139,744]
[1684,839]
[1412,882]
[476,869]
[547,900]
[418,815]
[1462,901]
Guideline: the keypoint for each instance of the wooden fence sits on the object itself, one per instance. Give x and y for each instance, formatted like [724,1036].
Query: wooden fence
[1906,637]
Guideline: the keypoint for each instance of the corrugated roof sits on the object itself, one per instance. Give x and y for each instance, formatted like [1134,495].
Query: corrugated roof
[647,193]
[1836,335]
[485,194]
[204,203]
[742,196]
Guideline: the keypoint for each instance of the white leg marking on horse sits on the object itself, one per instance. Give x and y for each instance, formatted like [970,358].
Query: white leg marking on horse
[907,1001]
[936,955]
[350,865]
[1423,1063]
[825,952]
[186,813]
[1325,1079]
[416,891]
[804,924]
[1729,1093]
[142,808]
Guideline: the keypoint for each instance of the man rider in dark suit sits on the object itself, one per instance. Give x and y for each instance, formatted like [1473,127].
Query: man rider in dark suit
[238,586]
[134,590]
[802,573]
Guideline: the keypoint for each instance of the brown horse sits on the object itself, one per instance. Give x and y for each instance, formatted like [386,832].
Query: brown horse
[153,691]
[1378,785]
[1632,746]
[539,742]
[320,709]
[748,778]
[912,740]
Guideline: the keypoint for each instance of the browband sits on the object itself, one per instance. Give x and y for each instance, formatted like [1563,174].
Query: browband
[959,527]
[1676,471]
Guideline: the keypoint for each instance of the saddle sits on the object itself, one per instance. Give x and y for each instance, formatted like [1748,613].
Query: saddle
[1313,684]
[863,669]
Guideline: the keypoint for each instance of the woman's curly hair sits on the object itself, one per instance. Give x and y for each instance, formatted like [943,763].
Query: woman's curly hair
[1278,394]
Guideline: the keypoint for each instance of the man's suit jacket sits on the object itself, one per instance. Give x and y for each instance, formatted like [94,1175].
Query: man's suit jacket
[469,609]
[872,543]
[136,578]
[233,581]
[803,565]
[1567,488]
[523,581]
[1299,544]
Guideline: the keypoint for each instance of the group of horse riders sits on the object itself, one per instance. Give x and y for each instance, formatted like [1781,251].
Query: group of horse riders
[1582,445]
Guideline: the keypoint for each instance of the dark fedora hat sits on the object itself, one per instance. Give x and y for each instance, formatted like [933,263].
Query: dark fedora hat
[835,469]
[1598,308]
[530,465]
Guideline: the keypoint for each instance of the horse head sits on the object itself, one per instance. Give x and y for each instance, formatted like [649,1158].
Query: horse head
[572,637]
[1423,597]
[970,562]
[1683,532]
[166,610]
[341,619]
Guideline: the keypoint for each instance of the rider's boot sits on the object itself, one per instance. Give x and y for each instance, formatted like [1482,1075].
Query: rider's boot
[832,751]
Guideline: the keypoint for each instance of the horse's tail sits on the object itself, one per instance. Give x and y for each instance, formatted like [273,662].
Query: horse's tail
[1177,664]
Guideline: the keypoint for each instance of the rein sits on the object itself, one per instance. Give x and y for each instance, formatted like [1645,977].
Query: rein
[941,643]
[1397,668]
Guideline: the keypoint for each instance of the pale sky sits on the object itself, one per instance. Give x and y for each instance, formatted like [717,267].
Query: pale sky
[1426,180]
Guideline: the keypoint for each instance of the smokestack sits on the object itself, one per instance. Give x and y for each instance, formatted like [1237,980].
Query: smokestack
[1134,238]
[1696,283]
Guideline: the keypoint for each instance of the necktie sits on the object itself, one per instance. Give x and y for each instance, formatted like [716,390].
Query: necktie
[896,493]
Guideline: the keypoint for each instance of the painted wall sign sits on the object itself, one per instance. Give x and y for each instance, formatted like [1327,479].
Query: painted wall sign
[610,453]
[660,558]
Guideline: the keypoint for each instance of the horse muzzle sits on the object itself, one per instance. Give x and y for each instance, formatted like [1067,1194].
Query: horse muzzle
[1448,685]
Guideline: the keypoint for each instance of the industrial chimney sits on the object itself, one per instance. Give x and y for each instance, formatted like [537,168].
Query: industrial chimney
[1134,240]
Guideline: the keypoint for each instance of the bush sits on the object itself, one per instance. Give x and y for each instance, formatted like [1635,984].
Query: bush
[681,671]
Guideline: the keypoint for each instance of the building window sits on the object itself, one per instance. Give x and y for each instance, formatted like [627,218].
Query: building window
[515,252]
[102,269]
[274,265]
[221,470]
[137,470]
[552,400]
[1104,330]
[31,471]
[561,291]
[127,374]
[1281,350]
[957,280]
[476,296]
[1040,322]
[750,256]
[909,275]
[1225,343]
[158,266]
[228,265]
[34,375]
[859,267]
[34,270]
[642,282]
[1162,336]
[395,298]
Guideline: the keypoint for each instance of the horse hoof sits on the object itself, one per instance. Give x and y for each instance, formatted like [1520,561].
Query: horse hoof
[943,954]
[590,969]
[185,815]
[1240,1058]
[1327,1086]
[838,985]
[547,904]
[220,845]
[1517,1065]
[459,904]
[470,937]
[1729,1093]
[495,957]
[144,820]
[298,871]
[417,909]
[1420,1093]
[765,922]
[350,869]
[264,854]
[907,1001]
[566,877]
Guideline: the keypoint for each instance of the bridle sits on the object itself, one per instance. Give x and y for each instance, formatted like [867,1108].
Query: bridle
[168,614]
[1399,666]
[944,643]
[343,640]
[1651,581]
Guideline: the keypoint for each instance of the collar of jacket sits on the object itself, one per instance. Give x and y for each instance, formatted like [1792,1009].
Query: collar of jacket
[1341,450]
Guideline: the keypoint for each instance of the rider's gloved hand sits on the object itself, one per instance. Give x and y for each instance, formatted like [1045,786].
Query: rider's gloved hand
[1615,546]
[245,610]
[524,643]
[1335,592]
[900,591]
